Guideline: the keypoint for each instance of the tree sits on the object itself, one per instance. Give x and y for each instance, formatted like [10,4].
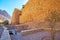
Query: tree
[6,22]
[52,20]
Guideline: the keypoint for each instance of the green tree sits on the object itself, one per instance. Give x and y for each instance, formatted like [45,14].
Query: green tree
[6,22]
[52,19]
[1,23]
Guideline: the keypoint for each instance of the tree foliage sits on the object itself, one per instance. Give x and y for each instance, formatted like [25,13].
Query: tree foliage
[6,22]
[52,19]
[55,17]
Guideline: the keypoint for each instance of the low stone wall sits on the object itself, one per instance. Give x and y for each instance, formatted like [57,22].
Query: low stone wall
[40,34]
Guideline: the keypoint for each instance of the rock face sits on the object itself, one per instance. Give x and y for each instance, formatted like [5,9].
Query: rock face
[37,10]
[4,13]
[4,16]
[15,17]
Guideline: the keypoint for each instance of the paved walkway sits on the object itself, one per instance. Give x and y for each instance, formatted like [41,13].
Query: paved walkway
[18,36]
[1,30]
[5,35]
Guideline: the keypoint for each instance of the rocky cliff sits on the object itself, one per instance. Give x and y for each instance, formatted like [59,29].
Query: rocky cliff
[4,16]
[4,13]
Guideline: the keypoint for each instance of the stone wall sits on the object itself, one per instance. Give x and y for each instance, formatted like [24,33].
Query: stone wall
[37,10]
[15,16]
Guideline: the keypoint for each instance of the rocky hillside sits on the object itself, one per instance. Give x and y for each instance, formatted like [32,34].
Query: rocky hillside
[4,16]
[4,13]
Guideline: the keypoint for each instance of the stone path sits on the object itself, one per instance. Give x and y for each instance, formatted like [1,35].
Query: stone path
[5,35]
[1,30]
[18,36]
[42,35]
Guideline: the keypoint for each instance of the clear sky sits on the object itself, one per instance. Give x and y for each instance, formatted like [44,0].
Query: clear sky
[9,5]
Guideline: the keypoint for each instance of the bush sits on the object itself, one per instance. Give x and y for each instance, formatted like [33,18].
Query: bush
[1,23]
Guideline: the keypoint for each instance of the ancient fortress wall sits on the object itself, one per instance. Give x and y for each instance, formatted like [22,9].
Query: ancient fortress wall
[15,16]
[37,10]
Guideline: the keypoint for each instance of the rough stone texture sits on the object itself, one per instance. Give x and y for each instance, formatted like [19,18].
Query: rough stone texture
[15,16]
[5,35]
[37,10]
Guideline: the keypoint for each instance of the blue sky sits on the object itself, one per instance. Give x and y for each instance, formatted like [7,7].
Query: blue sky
[9,5]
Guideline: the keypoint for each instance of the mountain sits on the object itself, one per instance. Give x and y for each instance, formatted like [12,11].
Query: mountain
[4,13]
[4,16]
